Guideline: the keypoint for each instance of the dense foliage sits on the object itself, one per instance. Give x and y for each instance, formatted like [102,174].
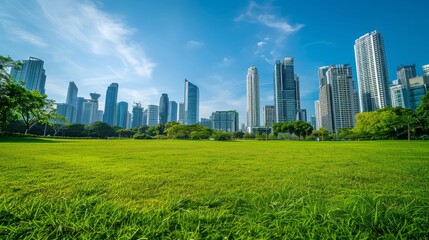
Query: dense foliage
[17,102]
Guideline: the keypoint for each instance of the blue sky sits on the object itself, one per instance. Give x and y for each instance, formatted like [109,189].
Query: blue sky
[149,47]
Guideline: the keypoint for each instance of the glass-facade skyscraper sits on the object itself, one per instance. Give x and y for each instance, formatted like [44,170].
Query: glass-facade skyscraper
[253,106]
[163,108]
[137,116]
[152,115]
[285,97]
[172,111]
[371,67]
[72,101]
[122,114]
[110,104]
[32,74]
[192,101]
[226,121]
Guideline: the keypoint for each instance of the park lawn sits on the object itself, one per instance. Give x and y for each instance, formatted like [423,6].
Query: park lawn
[131,189]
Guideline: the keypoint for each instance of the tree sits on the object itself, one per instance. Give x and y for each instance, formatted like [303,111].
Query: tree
[122,132]
[221,136]
[237,135]
[101,129]
[422,113]
[9,91]
[32,108]
[74,130]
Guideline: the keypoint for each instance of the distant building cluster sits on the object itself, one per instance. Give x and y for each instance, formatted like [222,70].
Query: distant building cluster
[339,99]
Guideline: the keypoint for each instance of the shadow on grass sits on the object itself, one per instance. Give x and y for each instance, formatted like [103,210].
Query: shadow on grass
[28,140]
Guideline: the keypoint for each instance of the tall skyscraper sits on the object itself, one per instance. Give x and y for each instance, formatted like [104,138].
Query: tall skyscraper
[182,113]
[405,73]
[253,112]
[226,121]
[71,100]
[152,115]
[318,114]
[397,95]
[32,74]
[79,114]
[172,111]
[122,114]
[285,98]
[371,67]
[298,96]
[269,115]
[137,116]
[425,70]
[192,103]
[90,109]
[324,118]
[340,80]
[163,108]
[110,104]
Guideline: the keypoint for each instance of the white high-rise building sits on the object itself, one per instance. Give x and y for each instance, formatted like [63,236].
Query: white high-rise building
[253,110]
[371,67]
[343,93]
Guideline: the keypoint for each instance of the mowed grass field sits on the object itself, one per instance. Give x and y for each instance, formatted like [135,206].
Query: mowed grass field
[161,189]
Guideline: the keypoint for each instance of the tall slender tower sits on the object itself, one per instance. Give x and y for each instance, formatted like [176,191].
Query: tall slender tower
[371,67]
[285,99]
[32,74]
[71,100]
[172,111]
[192,99]
[253,110]
[110,104]
[163,108]
[122,114]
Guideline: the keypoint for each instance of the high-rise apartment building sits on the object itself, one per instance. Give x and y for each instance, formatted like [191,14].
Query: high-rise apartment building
[163,108]
[269,115]
[285,97]
[343,95]
[425,70]
[324,118]
[181,113]
[191,103]
[110,104]
[31,73]
[397,95]
[137,116]
[253,112]
[226,121]
[152,115]
[205,122]
[371,67]
[172,111]
[122,114]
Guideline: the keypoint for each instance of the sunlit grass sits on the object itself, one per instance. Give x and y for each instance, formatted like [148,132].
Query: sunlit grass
[208,189]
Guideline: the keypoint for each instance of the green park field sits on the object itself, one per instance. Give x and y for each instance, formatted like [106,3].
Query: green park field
[162,189]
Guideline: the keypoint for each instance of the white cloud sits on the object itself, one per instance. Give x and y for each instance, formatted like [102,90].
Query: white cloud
[192,44]
[84,25]
[258,14]
[261,44]
[28,37]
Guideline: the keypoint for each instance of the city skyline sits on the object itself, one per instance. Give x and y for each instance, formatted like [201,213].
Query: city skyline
[146,57]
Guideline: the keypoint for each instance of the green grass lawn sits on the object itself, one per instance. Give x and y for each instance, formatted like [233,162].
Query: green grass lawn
[131,189]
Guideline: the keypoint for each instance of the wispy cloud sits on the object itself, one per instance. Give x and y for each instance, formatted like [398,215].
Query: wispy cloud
[258,14]
[275,29]
[193,44]
[84,25]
